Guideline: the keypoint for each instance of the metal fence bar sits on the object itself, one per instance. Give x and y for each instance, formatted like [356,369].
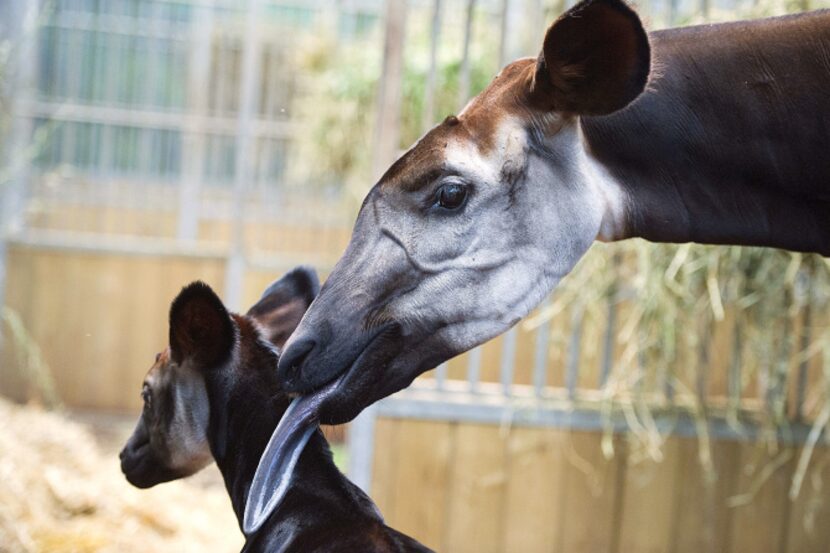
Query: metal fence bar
[464,75]
[432,81]
[572,370]
[474,369]
[248,90]
[441,375]
[194,142]
[540,356]
[608,340]
[804,365]
[361,448]
[387,129]
[508,360]
[505,10]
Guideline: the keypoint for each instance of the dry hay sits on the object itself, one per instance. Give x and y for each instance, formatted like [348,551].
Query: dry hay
[60,493]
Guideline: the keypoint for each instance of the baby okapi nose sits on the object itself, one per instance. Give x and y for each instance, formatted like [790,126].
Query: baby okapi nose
[291,360]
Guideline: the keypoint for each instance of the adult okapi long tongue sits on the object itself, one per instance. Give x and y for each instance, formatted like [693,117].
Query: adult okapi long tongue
[717,134]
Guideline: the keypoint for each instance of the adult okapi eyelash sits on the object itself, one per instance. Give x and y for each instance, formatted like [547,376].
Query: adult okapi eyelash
[450,195]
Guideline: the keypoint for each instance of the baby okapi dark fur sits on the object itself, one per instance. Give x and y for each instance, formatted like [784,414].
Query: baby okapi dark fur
[214,393]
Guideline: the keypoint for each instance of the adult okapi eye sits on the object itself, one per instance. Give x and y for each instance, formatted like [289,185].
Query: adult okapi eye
[451,195]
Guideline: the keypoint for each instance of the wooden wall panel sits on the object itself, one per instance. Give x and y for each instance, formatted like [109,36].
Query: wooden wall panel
[98,319]
[533,502]
[422,484]
[760,523]
[471,487]
[590,486]
[702,515]
[648,503]
[477,490]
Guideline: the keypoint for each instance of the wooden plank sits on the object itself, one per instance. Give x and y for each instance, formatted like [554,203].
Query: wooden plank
[702,514]
[477,490]
[533,505]
[648,502]
[808,531]
[422,484]
[385,463]
[760,519]
[590,484]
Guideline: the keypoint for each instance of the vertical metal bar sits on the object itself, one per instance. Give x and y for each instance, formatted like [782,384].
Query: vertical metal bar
[441,375]
[704,9]
[734,376]
[464,75]
[572,371]
[362,448]
[17,89]
[235,269]
[429,94]
[803,366]
[193,134]
[508,360]
[505,10]
[608,339]
[474,369]
[673,7]
[540,356]
[19,25]
[387,129]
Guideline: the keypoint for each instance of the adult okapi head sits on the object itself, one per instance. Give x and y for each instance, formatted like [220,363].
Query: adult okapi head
[480,219]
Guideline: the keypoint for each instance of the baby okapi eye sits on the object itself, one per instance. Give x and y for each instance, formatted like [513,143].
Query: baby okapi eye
[452,195]
[146,396]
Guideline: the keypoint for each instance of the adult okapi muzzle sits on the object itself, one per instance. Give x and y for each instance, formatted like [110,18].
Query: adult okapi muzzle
[445,253]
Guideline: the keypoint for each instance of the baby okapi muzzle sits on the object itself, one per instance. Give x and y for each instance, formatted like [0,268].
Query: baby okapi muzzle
[213,394]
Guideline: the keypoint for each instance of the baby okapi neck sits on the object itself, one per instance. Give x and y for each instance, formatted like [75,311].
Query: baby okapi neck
[238,434]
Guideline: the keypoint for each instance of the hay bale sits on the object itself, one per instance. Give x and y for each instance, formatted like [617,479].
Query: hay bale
[60,493]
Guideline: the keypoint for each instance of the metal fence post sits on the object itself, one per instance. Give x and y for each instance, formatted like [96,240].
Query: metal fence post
[387,129]
[235,271]
[362,448]
[194,142]
[18,27]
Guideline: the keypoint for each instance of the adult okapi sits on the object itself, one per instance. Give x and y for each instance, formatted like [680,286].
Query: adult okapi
[717,134]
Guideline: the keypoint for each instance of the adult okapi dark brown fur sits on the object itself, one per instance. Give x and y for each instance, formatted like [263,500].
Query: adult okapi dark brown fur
[214,393]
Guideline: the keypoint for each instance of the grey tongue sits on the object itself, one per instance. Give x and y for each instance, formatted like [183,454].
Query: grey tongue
[276,466]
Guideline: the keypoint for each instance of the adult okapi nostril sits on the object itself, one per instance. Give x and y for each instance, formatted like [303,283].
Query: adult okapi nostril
[292,359]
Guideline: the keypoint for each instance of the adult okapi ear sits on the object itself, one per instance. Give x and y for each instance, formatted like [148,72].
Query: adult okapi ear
[201,328]
[595,60]
[284,303]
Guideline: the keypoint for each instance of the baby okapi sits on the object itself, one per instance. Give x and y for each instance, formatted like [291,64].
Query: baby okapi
[214,392]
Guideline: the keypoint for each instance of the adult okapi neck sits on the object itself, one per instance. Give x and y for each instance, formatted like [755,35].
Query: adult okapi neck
[721,147]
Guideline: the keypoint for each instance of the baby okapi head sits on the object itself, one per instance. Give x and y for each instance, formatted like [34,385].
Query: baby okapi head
[211,352]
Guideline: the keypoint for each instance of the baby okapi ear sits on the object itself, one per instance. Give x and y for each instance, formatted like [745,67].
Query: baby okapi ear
[595,60]
[284,303]
[201,328]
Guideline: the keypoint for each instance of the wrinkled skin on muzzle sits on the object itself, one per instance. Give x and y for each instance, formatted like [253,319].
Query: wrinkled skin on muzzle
[481,218]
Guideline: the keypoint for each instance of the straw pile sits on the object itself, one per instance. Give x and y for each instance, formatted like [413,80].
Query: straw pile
[60,493]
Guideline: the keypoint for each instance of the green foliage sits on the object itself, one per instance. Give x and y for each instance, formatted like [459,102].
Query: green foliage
[337,101]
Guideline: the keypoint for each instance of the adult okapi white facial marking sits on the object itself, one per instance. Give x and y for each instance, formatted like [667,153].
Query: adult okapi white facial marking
[727,143]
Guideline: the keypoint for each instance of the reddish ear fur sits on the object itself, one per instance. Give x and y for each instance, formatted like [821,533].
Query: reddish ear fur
[201,328]
[595,60]
[284,303]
